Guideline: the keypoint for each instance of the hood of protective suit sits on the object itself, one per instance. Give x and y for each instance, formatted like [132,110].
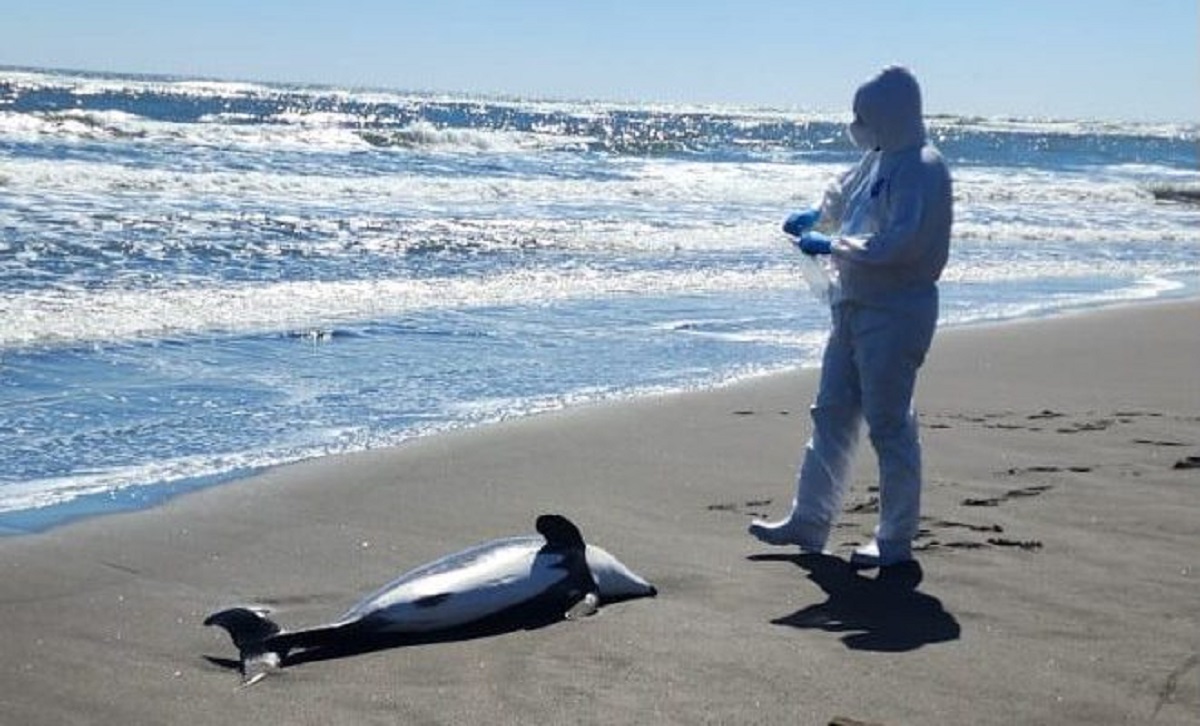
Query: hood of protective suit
[887,112]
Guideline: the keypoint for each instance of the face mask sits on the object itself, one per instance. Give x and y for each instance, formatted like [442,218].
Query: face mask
[863,137]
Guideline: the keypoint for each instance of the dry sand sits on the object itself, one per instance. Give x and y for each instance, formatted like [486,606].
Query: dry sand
[1058,568]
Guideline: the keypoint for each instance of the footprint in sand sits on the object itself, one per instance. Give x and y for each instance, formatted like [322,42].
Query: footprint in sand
[1027,544]
[1045,414]
[931,543]
[1046,469]
[1030,491]
[994,529]
[1190,462]
[870,506]
[971,527]
[1166,443]
[750,508]
[1101,424]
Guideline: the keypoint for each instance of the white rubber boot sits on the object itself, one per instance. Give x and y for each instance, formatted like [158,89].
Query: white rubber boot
[882,553]
[789,531]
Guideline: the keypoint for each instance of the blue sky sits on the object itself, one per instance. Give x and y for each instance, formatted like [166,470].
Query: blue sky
[1095,59]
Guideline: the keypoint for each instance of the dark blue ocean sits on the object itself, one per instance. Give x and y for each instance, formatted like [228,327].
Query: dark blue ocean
[201,279]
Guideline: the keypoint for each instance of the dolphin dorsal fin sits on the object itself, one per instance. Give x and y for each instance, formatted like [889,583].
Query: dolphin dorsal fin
[560,532]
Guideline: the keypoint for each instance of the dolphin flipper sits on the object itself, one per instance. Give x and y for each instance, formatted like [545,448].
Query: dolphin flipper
[587,606]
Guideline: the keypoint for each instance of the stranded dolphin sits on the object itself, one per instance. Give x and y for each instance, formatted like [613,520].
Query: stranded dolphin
[529,580]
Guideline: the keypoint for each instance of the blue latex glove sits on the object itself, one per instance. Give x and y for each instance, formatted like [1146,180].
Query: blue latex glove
[801,222]
[815,243]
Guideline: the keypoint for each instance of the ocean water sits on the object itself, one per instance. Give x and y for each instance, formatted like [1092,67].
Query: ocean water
[202,279]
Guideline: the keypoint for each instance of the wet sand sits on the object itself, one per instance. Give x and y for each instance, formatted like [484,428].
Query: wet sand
[1057,578]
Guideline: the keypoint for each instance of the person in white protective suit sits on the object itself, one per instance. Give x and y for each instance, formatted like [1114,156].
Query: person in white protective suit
[888,220]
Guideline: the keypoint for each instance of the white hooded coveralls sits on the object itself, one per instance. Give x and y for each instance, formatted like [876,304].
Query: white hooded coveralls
[891,217]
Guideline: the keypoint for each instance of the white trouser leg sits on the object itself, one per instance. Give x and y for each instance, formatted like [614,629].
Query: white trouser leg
[823,477]
[891,345]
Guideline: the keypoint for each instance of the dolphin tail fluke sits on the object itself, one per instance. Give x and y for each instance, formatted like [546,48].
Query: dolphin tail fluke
[263,645]
[253,634]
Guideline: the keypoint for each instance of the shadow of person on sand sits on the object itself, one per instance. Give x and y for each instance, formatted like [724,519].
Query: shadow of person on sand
[885,613]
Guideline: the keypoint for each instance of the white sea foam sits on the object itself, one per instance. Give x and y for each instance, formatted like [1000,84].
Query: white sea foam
[680,187]
[39,493]
[644,181]
[70,316]
[681,203]
[939,125]
[63,316]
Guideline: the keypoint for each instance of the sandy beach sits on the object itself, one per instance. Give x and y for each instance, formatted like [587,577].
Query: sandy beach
[1057,580]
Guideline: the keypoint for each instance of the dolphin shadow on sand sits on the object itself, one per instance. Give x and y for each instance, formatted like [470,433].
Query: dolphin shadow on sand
[350,643]
[884,614]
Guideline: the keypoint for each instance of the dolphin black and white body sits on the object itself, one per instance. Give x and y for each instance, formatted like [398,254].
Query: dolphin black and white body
[521,581]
